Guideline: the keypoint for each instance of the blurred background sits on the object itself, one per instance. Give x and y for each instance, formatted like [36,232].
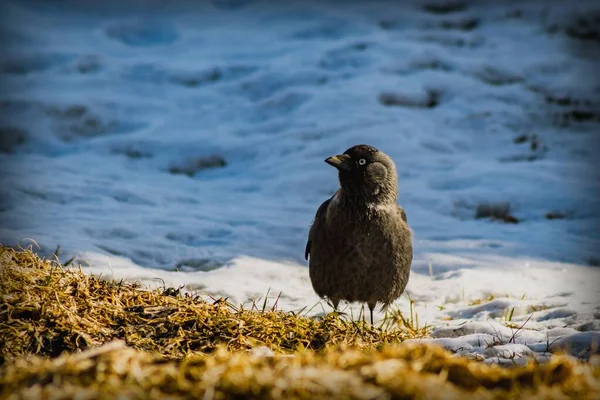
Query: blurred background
[184,135]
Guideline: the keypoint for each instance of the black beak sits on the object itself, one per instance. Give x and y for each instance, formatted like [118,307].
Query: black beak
[341,162]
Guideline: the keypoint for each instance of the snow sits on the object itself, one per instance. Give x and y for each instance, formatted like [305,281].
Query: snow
[580,344]
[183,145]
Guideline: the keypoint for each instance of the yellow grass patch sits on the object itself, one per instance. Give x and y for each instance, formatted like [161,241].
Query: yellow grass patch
[66,333]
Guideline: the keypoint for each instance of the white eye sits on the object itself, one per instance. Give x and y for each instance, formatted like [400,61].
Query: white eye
[362,161]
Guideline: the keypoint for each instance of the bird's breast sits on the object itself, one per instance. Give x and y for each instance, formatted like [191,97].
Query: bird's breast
[373,226]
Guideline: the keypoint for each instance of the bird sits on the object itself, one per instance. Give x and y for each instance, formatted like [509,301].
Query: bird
[359,244]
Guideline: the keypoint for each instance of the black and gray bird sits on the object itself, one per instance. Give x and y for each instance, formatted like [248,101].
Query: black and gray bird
[360,244]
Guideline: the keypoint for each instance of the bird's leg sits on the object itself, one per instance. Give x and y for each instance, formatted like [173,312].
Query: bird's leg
[362,312]
[371,308]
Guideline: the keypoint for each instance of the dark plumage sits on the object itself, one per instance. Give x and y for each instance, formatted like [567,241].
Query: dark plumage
[360,244]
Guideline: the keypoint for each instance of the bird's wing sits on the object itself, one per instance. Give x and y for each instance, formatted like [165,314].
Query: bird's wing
[402,213]
[319,217]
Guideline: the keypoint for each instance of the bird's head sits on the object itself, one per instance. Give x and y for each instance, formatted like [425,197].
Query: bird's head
[366,173]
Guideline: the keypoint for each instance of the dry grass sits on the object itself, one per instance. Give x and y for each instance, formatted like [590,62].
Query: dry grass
[404,372]
[48,309]
[67,334]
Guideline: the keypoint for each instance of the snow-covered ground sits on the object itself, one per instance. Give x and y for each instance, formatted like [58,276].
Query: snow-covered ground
[185,141]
